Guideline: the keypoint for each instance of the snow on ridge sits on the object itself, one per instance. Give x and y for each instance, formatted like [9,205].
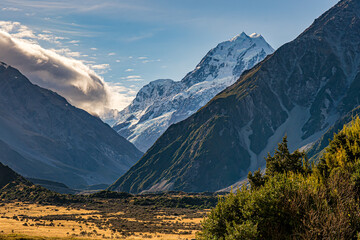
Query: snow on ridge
[242,35]
[255,35]
[164,102]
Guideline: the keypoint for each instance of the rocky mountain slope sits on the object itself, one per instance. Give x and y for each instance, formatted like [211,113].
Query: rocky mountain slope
[301,90]
[164,102]
[43,136]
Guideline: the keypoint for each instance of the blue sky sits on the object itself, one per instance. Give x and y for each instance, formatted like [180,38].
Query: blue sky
[132,42]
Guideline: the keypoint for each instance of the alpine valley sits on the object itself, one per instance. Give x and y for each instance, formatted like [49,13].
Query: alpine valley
[305,88]
[164,102]
[253,143]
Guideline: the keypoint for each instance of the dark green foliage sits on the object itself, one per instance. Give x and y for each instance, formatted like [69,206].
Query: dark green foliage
[343,154]
[292,202]
[16,191]
[256,180]
[267,212]
[111,195]
[282,162]
[183,201]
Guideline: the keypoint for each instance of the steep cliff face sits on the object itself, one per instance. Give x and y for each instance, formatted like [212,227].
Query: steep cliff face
[164,102]
[43,136]
[301,90]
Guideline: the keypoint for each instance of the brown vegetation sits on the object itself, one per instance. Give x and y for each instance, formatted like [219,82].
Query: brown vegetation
[128,217]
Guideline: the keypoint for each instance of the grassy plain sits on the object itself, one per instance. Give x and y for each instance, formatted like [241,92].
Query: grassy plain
[141,217]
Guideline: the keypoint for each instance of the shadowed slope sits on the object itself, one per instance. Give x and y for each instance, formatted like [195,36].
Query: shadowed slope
[43,136]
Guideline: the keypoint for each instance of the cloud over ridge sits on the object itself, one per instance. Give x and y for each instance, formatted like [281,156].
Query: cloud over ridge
[67,76]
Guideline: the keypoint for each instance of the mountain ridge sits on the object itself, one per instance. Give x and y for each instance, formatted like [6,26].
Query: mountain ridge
[301,90]
[43,136]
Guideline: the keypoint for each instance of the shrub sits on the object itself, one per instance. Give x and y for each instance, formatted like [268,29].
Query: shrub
[293,200]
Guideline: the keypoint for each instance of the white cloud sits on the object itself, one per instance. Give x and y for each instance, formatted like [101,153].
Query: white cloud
[12,9]
[100,66]
[121,95]
[142,58]
[149,61]
[49,38]
[67,52]
[59,71]
[9,26]
[17,30]
[129,70]
[112,54]
[133,78]
[118,61]
[94,49]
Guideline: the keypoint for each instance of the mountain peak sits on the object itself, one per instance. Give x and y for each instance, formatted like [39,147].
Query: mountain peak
[255,35]
[164,102]
[240,36]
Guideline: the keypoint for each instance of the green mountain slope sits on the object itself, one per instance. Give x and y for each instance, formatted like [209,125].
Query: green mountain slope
[301,90]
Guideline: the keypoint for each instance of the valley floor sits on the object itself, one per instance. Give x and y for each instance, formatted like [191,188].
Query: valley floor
[105,219]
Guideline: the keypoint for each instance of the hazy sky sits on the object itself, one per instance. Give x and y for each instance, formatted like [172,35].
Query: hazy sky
[132,42]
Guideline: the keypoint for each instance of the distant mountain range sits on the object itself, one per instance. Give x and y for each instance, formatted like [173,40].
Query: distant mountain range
[164,102]
[42,136]
[302,90]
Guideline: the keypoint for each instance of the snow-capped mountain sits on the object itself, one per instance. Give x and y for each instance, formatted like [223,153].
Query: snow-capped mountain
[164,102]
[308,87]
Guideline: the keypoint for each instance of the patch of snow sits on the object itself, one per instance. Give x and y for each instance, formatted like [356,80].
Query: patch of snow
[255,35]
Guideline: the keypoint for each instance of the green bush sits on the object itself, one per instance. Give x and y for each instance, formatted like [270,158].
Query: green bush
[293,200]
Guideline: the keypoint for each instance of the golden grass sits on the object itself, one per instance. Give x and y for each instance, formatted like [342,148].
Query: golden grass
[39,210]
[26,237]
[20,219]
[137,237]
